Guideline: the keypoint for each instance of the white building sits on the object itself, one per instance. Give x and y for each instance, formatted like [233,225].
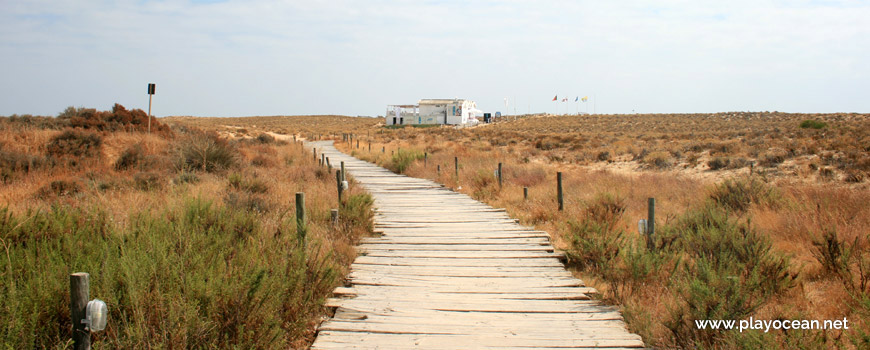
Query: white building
[434,111]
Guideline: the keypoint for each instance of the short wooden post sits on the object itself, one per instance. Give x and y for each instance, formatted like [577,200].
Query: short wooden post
[78,303]
[357,143]
[338,185]
[370,146]
[499,175]
[343,174]
[425,159]
[383,149]
[300,217]
[334,214]
[315,154]
[439,170]
[525,193]
[328,165]
[651,223]
[559,191]
[322,159]
[456,166]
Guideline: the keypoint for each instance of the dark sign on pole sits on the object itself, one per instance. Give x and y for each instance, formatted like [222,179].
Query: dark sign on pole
[151,89]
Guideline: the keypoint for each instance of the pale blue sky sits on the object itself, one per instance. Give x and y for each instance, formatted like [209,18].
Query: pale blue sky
[239,58]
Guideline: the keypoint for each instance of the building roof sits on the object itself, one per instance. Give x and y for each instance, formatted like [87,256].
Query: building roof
[403,106]
[438,101]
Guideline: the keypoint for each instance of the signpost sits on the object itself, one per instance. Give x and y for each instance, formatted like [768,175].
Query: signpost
[151,88]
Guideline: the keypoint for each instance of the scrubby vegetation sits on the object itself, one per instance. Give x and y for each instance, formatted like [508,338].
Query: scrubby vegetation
[753,219]
[188,236]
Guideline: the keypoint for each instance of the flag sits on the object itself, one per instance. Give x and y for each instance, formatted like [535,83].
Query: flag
[576,98]
[585,98]
[554,97]
[565,99]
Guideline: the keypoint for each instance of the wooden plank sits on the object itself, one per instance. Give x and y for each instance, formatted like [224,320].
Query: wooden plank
[461,341]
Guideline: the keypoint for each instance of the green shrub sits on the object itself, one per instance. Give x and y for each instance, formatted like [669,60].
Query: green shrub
[74,143]
[738,194]
[402,159]
[813,124]
[593,246]
[205,152]
[729,272]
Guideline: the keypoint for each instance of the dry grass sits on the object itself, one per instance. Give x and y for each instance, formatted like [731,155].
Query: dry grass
[138,209]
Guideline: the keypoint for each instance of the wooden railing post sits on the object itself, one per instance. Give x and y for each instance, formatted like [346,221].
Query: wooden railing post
[78,303]
[300,217]
[559,196]
[651,223]
[499,176]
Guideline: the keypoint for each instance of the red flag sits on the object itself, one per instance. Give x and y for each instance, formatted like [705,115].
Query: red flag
[554,97]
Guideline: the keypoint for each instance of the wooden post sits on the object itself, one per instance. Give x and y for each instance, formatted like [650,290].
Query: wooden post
[499,175]
[300,216]
[370,146]
[383,149]
[78,303]
[322,159]
[439,170]
[338,184]
[456,166]
[328,165]
[425,159]
[315,154]
[525,193]
[343,174]
[651,223]
[357,143]
[559,191]
[334,214]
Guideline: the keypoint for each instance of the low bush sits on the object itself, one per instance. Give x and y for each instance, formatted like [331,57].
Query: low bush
[74,143]
[147,181]
[402,159]
[658,160]
[59,188]
[813,124]
[739,193]
[205,152]
[265,139]
[131,157]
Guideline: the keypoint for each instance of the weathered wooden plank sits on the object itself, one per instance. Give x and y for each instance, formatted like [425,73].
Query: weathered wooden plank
[461,341]
[449,261]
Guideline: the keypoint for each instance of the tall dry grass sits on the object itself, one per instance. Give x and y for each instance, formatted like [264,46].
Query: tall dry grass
[187,253]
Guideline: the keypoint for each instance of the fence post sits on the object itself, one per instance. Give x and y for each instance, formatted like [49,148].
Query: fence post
[300,216]
[499,175]
[315,154]
[322,159]
[651,223]
[456,167]
[559,191]
[328,165]
[525,193]
[334,214]
[439,170]
[425,159]
[338,185]
[343,174]
[78,303]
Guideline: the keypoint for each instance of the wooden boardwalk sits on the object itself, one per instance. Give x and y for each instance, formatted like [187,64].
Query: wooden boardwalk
[449,272]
